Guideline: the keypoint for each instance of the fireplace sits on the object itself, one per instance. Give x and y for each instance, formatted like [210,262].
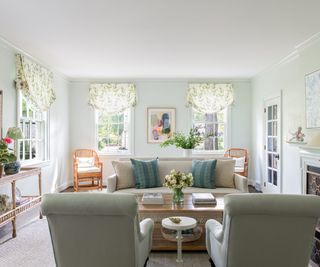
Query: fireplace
[310,167]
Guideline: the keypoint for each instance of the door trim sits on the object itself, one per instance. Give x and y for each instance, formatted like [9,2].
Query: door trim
[279,95]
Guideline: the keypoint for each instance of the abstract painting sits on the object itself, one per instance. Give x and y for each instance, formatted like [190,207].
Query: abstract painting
[161,124]
[313,99]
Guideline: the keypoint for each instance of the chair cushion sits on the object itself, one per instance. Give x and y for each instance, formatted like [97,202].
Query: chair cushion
[203,173]
[85,162]
[240,162]
[124,172]
[146,173]
[238,169]
[224,173]
[88,169]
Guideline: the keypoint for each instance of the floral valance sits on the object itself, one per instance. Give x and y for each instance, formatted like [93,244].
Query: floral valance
[112,97]
[209,97]
[35,83]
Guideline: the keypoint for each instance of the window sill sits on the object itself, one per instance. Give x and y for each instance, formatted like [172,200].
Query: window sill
[35,164]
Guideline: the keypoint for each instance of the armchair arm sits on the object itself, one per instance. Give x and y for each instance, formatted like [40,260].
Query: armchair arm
[112,183]
[241,183]
[215,228]
[146,228]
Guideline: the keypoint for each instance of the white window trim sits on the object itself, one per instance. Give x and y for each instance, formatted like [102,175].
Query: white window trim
[35,162]
[227,137]
[131,138]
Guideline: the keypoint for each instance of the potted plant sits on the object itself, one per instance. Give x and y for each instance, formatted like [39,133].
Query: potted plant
[186,142]
[8,160]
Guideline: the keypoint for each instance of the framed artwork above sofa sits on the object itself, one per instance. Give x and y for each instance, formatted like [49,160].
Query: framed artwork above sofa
[161,124]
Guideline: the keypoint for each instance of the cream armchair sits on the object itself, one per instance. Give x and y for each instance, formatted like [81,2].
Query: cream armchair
[97,229]
[264,230]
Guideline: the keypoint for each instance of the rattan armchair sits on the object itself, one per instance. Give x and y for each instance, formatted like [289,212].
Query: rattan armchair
[238,153]
[87,170]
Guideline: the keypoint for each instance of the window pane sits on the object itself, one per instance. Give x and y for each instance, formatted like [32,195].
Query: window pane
[27,130]
[21,146]
[33,149]
[269,128]
[270,113]
[269,176]
[275,112]
[24,108]
[112,132]
[211,125]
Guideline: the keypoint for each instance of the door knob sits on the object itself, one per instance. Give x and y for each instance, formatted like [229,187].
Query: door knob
[277,156]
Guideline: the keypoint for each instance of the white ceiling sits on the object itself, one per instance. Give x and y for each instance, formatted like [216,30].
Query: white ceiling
[159,38]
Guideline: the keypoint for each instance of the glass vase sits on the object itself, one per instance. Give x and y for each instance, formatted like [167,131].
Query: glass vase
[178,196]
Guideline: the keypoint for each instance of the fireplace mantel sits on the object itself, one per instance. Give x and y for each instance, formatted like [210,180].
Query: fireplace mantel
[309,156]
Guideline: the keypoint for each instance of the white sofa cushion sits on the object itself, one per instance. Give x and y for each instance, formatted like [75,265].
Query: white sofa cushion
[224,175]
[165,168]
[123,170]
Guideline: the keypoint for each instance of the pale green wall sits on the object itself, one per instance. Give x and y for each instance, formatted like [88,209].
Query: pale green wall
[57,173]
[287,76]
[157,93]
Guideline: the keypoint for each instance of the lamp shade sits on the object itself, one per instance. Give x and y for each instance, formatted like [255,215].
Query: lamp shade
[15,133]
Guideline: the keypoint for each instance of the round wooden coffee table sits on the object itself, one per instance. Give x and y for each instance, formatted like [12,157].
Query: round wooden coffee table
[185,224]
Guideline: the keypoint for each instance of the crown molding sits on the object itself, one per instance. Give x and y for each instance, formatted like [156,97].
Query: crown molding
[309,42]
[12,47]
[292,56]
[137,80]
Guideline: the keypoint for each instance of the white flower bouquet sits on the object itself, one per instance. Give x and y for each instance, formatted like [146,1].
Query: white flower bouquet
[178,180]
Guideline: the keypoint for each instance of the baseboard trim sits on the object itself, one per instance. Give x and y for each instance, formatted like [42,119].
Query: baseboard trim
[63,187]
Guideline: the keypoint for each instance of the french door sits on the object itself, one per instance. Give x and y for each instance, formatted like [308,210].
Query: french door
[273,144]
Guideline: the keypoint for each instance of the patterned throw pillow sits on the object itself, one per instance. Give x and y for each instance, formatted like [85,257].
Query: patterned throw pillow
[203,173]
[146,173]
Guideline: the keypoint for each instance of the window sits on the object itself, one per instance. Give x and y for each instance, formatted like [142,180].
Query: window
[34,125]
[114,132]
[214,124]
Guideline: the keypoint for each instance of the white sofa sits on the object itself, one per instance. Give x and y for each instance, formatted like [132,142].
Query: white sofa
[225,179]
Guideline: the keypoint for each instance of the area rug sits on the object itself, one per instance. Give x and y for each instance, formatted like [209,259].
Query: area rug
[32,248]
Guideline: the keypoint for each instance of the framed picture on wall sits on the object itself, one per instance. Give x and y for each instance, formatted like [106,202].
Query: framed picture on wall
[312,81]
[161,124]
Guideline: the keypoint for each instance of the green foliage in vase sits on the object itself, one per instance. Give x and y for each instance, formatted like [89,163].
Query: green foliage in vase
[190,141]
[5,155]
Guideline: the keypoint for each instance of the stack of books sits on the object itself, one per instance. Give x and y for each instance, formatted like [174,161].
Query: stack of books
[203,199]
[152,198]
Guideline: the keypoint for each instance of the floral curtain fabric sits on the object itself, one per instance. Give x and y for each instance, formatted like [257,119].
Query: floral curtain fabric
[209,97]
[112,97]
[35,82]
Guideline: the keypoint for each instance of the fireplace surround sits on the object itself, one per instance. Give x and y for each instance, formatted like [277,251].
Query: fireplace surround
[310,184]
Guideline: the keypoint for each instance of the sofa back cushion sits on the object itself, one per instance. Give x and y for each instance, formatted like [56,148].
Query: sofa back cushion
[165,167]
[146,173]
[123,170]
[224,175]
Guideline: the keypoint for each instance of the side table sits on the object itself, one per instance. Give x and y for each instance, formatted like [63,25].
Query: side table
[185,224]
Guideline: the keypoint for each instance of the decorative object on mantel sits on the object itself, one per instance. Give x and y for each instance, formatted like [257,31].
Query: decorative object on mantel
[186,142]
[176,181]
[209,97]
[7,158]
[112,98]
[312,81]
[35,83]
[297,137]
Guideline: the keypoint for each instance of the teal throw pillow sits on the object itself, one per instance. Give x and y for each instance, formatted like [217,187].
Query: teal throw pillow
[146,173]
[203,173]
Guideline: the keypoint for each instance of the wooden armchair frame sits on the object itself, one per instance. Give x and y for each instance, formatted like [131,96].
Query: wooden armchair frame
[90,180]
[237,153]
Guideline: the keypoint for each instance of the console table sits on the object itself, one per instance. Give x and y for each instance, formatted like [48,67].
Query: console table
[27,201]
